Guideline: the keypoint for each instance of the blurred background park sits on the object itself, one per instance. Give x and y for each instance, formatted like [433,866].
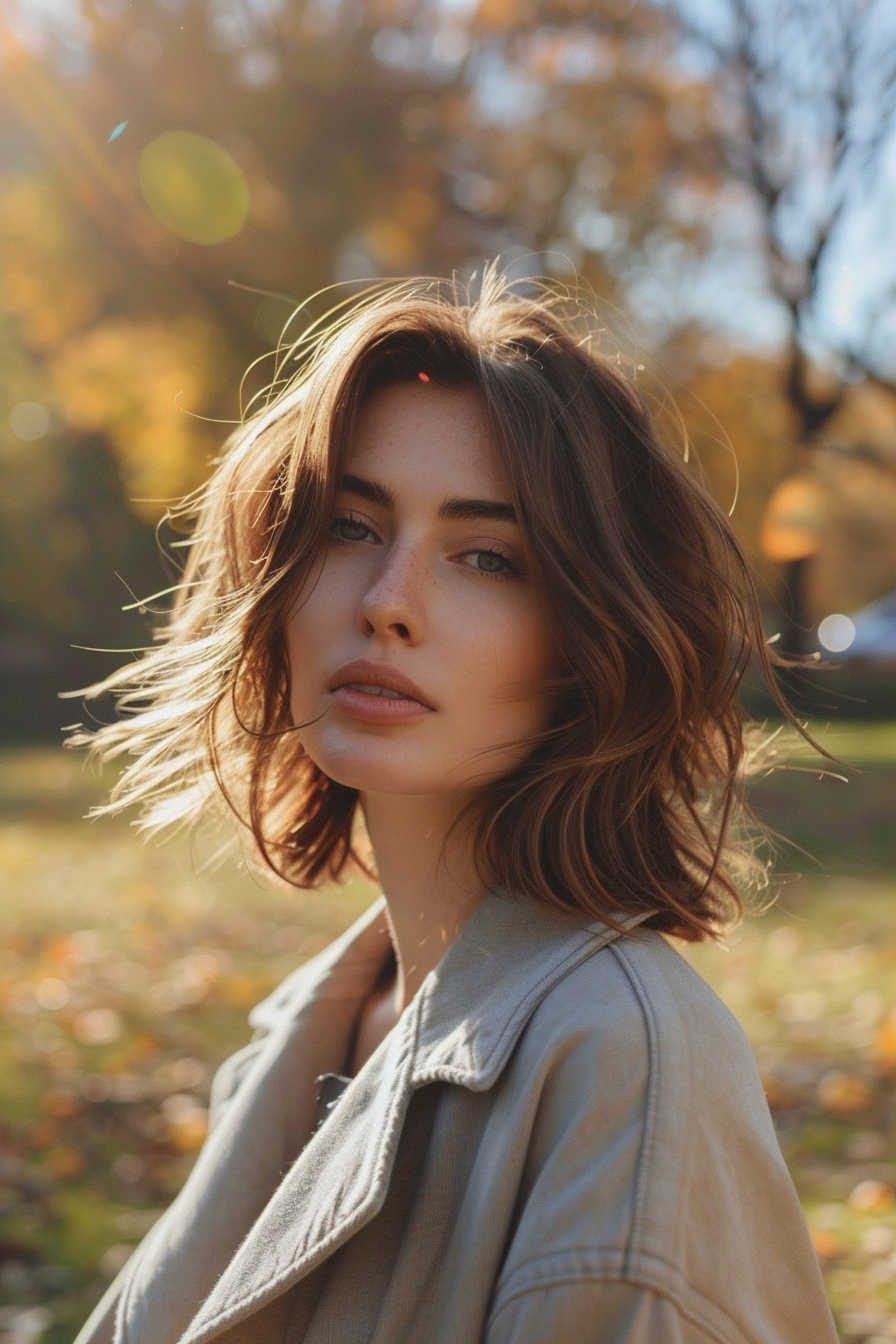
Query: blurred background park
[176,176]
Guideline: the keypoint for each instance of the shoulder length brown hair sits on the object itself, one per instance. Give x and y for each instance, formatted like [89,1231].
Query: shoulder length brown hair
[627,802]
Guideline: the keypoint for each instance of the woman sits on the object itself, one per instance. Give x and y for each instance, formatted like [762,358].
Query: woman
[453,613]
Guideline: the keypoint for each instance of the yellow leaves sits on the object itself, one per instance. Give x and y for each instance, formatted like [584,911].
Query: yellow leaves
[138,382]
[744,437]
[187,1120]
[872,1197]
[842,1093]
[840,514]
[189,1135]
[49,307]
[31,213]
[52,282]
[417,209]
[883,1051]
[867,415]
[499,15]
[242,990]
[394,245]
[858,559]
[827,1246]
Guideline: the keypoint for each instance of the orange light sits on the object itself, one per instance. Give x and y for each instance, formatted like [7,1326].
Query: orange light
[794,520]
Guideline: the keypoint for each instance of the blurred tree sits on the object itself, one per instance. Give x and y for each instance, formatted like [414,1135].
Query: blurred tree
[173,179]
[369,139]
[125,337]
[806,97]
[742,431]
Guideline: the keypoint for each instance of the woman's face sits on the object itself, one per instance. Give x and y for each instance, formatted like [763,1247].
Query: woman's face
[420,645]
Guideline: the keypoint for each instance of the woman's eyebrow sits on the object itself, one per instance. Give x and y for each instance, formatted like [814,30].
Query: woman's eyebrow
[372,491]
[455,509]
[467,510]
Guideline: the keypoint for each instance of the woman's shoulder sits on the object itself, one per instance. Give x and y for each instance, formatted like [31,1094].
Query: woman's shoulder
[634,1042]
[652,1158]
[639,992]
[683,1016]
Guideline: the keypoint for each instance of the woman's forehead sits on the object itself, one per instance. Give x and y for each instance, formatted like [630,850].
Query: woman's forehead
[418,433]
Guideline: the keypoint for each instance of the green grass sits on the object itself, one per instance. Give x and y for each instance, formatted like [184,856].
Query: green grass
[126,973]
[832,817]
[127,969]
[859,744]
[813,982]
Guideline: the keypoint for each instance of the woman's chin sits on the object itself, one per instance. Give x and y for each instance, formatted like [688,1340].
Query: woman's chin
[379,764]
[376,776]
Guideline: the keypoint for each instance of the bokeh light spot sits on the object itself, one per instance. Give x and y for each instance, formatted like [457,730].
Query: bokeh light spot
[194,187]
[29,420]
[836,633]
[794,520]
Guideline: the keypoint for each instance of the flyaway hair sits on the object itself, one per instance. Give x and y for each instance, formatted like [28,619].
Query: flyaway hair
[629,800]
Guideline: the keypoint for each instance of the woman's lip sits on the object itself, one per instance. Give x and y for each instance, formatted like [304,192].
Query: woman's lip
[375,708]
[353,677]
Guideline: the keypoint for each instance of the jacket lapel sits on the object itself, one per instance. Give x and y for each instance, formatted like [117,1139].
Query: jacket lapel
[338,1183]
[272,1110]
[461,1028]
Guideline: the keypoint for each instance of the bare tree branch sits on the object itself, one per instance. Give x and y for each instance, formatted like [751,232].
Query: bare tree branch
[813,83]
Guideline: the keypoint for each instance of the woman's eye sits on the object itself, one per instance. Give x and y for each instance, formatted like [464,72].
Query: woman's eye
[489,562]
[351,529]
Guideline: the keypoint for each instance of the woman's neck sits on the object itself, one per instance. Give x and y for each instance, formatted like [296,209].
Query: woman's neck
[428,876]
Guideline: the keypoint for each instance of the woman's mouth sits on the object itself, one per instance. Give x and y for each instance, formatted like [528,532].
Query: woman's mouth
[377,690]
[377,693]
[377,704]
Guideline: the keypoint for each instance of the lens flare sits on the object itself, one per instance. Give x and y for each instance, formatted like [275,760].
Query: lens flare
[194,187]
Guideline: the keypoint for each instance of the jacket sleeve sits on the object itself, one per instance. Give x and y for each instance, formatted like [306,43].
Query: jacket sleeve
[229,1078]
[99,1328]
[593,1312]
[654,1180]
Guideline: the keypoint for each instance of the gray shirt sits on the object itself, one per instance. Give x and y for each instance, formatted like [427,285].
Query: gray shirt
[563,1140]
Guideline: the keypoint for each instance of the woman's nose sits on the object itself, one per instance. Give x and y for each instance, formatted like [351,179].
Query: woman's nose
[392,605]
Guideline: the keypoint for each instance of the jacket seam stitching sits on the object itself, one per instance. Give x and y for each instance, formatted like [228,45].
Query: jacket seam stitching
[638,1280]
[637,1250]
[645,1157]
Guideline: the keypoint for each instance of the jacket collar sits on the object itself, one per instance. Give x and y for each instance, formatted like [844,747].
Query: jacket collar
[472,1007]
[477,1001]
[460,1028]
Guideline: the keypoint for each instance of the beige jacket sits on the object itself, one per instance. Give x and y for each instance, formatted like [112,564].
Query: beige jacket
[563,1141]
